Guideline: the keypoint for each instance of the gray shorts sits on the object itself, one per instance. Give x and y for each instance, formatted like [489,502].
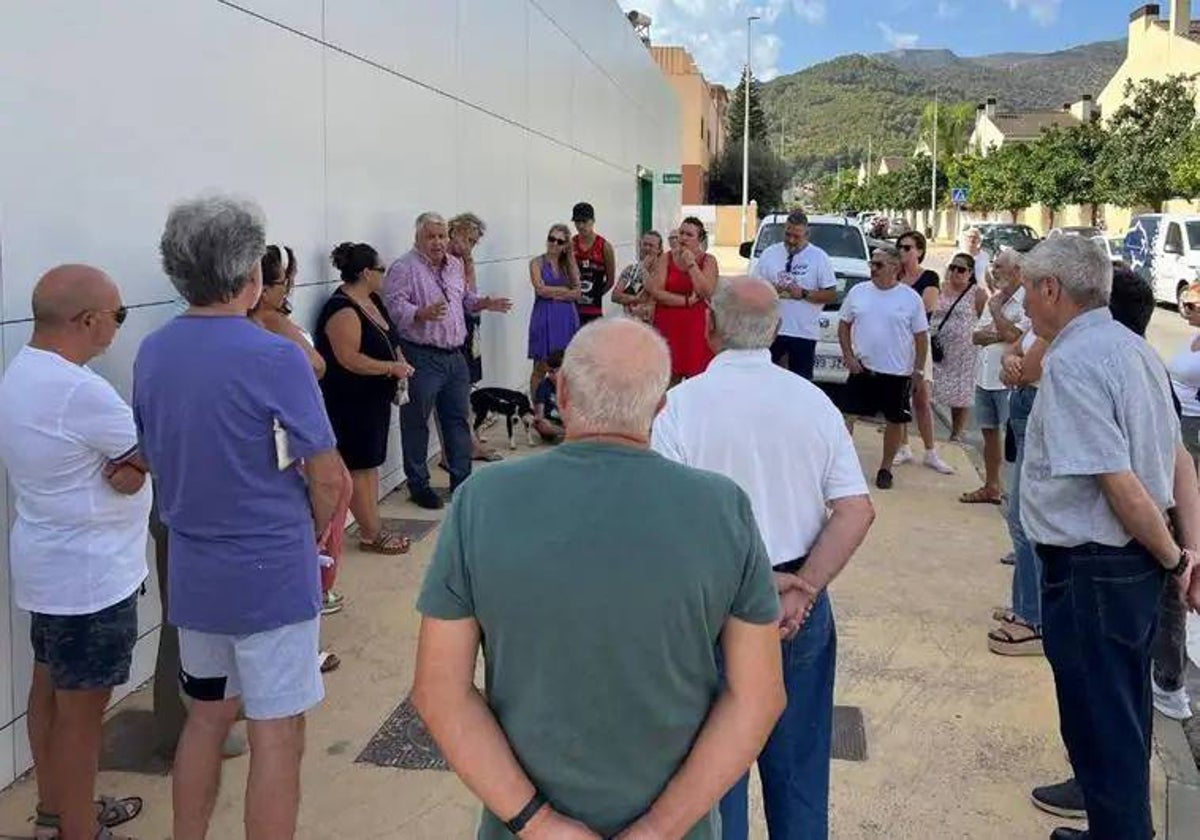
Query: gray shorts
[991,408]
[275,672]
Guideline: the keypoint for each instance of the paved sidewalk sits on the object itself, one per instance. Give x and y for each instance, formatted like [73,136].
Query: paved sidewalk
[956,736]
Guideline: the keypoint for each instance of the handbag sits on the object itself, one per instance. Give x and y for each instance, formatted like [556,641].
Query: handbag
[936,350]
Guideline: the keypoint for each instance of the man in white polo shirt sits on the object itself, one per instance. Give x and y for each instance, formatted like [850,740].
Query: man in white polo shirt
[810,500]
[884,334]
[803,276]
[78,549]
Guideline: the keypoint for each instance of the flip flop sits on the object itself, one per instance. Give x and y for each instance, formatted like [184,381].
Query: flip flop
[980,497]
[328,662]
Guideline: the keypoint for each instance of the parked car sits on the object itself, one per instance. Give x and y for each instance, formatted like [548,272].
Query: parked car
[1020,238]
[1089,231]
[1175,256]
[1139,243]
[898,227]
[846,246]
[1113,246]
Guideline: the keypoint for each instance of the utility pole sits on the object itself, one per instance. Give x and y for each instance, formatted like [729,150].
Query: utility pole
[869,141]
[933,171]
[746,131]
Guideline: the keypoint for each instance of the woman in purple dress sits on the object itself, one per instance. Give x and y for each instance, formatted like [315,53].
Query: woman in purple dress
[554,320]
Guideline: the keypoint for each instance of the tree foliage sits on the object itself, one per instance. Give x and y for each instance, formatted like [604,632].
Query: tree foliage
[1064,165]
[954,125]
[768,176]
[1144,141]
[737,112]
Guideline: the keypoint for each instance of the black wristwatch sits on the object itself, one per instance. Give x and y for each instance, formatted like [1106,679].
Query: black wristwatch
[517,824]
[1178,569]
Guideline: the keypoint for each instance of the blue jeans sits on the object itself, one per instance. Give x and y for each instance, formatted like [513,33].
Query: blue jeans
[443,381]
[1027,570]
[1099,614]
[794,765]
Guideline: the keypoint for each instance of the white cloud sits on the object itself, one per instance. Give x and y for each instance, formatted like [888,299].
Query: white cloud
[714,31]
[1044,12]
[898,40]
[947,10]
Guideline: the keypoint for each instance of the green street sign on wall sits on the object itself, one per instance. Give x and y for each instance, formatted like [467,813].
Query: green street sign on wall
[672,178]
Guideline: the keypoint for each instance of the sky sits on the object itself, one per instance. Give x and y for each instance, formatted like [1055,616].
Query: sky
[794,34]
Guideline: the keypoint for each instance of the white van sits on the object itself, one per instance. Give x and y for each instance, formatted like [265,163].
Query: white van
[844,242]
[1176,262]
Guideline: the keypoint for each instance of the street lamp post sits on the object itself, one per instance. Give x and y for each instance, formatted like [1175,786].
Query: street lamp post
[933,168]
[746,131]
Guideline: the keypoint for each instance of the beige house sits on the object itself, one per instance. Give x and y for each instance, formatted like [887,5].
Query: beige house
[703,108]
[994,128]
[1156,49]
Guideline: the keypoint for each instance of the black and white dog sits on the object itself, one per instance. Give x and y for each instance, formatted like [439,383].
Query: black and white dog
[512,405]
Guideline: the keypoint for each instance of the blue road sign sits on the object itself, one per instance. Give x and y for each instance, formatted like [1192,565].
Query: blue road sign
[959,195]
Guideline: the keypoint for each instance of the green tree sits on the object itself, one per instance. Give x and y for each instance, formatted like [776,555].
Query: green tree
[1063,166]
[737,112]
[1004,179]
[954,124]
[769,176]
[913,184]
[1137,163]
[1185,170]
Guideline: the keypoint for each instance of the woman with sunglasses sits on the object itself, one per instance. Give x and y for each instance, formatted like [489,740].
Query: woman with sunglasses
[912,246]
[556,287]
[360,345]
[681,285]
[274,309]
[952,325]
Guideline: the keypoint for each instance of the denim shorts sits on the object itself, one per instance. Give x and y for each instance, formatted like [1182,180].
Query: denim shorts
[87,652]
[275,672]
[991,408]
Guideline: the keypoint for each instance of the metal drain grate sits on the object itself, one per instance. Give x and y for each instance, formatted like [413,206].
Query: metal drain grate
[849,734]
[403,742]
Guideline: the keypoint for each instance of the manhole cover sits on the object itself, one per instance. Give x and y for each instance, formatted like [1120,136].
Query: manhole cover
[849,734]
[403,742]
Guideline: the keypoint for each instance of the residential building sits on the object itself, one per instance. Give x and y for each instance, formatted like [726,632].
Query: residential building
[1156,49]
[702,118]
[344,121]
[994,128]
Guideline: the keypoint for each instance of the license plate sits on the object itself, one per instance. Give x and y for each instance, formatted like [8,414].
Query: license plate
[828,363]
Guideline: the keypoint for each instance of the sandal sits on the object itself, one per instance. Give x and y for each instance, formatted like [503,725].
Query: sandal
[1015,639]
[386,543]
[1005,616]
[489,455]
[110,812]
[982,496]
[328,662]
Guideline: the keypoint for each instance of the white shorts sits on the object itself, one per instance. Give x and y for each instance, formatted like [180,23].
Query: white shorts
[276,672]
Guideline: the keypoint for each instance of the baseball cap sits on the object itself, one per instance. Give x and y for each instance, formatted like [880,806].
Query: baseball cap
[583,212]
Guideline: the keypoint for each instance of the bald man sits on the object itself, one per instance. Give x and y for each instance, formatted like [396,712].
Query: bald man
[79,543]
[784,443]
[601,674]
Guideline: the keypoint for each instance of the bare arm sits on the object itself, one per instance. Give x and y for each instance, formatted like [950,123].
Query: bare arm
[540,289]
[621,292]
[1005,330]
[610,267]
[921,344]
[345,337]
[704,280]
[656,285]
[981,299]
[821,296]
[751,701]
[929,298]
[281,324]
[849,520]
[326,475]
[1139,515]
[463,726]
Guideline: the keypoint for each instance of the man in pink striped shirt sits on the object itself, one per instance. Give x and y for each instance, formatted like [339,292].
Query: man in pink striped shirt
[427,295]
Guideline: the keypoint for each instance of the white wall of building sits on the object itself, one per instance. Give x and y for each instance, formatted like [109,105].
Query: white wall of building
[343,119]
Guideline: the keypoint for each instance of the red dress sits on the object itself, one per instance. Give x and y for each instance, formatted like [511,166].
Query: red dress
[684,327]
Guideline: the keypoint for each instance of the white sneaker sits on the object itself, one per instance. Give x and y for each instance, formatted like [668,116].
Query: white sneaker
[1174,704]
[904,455]
[934,462]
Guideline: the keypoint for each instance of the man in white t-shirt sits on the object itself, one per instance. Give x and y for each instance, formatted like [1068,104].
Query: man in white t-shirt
[1002,324]
[803,276]
[810,501]
[78,549]
[973,245]
[884,334]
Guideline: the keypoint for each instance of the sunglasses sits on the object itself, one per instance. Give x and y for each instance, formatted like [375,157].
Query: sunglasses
[554,240]
[958,269]
[119,314]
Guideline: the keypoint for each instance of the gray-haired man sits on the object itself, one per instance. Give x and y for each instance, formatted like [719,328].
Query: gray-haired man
[427,294]
[1102,455]
[810,501]
[245,597]
[651,754]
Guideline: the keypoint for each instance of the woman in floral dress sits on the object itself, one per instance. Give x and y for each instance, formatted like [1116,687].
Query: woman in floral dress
[953,323]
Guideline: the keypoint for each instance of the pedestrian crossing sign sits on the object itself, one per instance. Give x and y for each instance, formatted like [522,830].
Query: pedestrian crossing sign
[959,195]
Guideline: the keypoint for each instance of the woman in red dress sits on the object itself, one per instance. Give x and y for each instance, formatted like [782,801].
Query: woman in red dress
[681,286]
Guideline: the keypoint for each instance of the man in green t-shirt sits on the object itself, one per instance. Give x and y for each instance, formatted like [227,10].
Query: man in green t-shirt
[606,581]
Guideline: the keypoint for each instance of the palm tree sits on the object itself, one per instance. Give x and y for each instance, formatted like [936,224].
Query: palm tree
[954,125]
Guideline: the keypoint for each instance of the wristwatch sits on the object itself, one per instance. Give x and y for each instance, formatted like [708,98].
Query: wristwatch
[1185,558]
[517,824]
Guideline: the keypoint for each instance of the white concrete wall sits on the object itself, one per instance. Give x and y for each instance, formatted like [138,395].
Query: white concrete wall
[344,119]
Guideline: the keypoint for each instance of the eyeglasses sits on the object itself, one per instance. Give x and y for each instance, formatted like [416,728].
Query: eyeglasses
[958,269]
[554,240]
[119,314]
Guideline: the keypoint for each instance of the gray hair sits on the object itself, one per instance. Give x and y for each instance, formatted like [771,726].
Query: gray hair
[466,221]
[210,246]
[1077,263]
[742,322]
[617,371]
[888,249]
[429,217]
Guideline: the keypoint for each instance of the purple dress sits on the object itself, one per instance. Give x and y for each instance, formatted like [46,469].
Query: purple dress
[553,323]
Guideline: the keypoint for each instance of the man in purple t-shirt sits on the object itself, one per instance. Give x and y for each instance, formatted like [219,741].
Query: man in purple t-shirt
[233,427]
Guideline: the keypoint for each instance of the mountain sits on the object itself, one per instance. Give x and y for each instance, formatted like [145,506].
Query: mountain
[831,109]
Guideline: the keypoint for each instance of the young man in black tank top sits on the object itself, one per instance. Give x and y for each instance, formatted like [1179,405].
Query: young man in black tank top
[596,260]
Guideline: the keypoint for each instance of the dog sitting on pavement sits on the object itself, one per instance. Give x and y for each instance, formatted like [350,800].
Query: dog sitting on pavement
[512,405]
